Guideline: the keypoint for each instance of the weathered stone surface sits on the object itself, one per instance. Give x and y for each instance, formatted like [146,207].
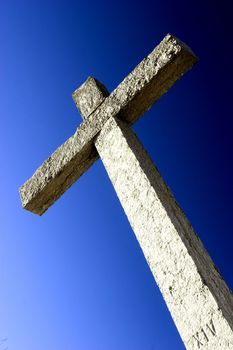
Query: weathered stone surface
[89,96]
[199,300]
[196,295]
[136,94]
[70,160]
[59,171]
[146,83]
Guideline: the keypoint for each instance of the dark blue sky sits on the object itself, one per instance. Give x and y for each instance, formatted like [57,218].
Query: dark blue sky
[75,278]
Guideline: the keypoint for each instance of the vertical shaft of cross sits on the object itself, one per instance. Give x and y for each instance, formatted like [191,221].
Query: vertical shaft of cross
[196,295]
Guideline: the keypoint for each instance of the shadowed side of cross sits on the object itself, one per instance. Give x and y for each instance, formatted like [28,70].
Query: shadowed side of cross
[198,299]
[135,95]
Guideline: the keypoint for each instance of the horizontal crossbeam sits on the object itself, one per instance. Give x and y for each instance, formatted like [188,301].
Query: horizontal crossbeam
[134,96]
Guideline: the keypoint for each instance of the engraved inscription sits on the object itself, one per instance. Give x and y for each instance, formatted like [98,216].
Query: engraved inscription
[211,327]
[196,337]
[203,336]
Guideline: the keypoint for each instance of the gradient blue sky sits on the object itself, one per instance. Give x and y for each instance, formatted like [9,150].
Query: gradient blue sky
[75,278]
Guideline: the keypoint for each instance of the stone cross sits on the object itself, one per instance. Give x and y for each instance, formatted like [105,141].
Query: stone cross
[196,295]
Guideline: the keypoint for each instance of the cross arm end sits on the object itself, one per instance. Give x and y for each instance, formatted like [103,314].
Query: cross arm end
[59,172]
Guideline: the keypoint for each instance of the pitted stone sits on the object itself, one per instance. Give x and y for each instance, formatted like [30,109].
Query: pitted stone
[199,300]
[197,297]
[89,96]
[134,96]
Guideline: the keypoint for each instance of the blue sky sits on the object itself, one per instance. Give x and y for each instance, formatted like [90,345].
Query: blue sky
[76,278]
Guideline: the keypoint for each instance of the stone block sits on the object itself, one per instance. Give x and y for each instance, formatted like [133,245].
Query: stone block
[89,96]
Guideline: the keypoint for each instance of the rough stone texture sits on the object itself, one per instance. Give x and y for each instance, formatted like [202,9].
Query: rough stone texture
[58,172]
[196,295]
[70,160]
[89,96]
[136,94]
[199,300]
